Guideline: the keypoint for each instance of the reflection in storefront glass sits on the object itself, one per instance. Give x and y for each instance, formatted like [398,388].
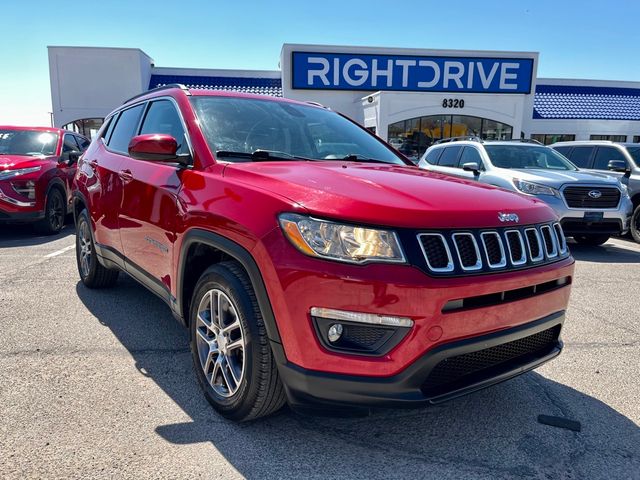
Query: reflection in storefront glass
[412,137]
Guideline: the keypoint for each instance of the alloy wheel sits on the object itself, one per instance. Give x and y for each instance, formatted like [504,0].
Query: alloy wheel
[56,212]
[220,342]
[84,240]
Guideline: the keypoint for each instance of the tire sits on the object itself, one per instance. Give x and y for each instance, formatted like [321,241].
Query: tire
[92,273]
[241,383]
[592,240]
[635,225]
[54,214]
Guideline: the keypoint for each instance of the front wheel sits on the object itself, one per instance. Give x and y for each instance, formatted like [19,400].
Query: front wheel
[54,214]
[231,352]
[92,273]
[635,224]
[591,240]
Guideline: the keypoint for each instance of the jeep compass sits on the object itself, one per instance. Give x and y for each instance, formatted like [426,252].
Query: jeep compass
[310,263]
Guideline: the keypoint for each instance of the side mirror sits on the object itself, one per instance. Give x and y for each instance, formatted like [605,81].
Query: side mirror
[619,166]
[156,147]
[471,167]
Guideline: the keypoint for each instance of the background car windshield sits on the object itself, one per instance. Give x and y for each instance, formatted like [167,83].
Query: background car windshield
[511,156]
[635,154]
[27,142]
[246,125]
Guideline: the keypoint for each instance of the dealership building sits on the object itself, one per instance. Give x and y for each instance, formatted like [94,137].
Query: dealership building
[410,97]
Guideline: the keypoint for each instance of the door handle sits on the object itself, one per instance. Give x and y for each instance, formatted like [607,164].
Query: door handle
[125,175]
[93,164]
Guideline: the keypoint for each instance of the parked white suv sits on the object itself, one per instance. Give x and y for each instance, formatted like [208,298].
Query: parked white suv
[591,206]
[619,159]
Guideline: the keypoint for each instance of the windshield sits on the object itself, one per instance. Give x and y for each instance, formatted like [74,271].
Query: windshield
[527,157]
[635,154]
[246,125]
[27,142]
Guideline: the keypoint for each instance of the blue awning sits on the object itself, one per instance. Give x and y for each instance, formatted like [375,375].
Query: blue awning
[260,86]
[586,103]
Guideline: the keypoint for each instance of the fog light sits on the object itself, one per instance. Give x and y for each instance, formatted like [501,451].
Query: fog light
[334,333]
[26,189]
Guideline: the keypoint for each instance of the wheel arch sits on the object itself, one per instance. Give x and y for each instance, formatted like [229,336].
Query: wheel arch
[199,250]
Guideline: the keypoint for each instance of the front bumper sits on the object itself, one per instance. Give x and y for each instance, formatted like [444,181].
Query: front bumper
[446,372]
[577,222]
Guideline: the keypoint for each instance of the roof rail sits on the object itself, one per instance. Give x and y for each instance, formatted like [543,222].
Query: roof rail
[471,138]
[524,140]
[168,86]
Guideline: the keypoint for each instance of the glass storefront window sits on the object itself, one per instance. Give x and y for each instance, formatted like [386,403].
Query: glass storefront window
[613,138]
[413,136]
[549,138]
[636,139]
[85,126]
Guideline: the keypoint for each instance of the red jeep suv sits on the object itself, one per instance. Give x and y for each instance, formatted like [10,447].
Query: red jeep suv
[37,166]
[311,264]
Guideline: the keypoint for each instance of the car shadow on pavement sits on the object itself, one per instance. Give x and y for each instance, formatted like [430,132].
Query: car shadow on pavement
[607,253]
[25,235]
[490,434]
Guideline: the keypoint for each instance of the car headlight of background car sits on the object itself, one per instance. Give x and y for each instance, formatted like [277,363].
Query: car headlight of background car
[336,241]
[5,174]
[531,188]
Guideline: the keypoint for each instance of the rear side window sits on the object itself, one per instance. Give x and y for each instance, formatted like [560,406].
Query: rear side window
[563,150]
[162,117]
[604,155]
[125,129]
[433,155]
[449,157]
[107,131]
[580,156]
[470,154]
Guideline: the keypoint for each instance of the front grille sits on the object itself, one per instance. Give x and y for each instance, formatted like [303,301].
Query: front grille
[459,371]
[592,197]
[472,252]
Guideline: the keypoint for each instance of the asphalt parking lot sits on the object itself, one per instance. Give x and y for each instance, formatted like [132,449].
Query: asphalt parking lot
[100,384]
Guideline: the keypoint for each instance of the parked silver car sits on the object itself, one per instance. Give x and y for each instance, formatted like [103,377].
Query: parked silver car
[591,206]
[617,159]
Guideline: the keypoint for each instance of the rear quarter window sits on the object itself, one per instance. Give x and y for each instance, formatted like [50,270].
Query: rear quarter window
[433,155]
[581,156]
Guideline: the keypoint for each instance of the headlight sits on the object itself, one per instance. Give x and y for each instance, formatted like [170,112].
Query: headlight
[16,173]
[346,243]
[534,189]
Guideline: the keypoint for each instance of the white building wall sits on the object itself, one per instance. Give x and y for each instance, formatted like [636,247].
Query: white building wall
[88,82]
[582,129]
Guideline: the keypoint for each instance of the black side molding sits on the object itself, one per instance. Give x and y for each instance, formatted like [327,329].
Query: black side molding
[240,254]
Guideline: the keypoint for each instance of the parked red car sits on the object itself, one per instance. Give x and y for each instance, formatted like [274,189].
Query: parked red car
[37,166]
[309,262]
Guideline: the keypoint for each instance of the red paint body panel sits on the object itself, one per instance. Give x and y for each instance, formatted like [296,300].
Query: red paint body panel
[51,170]
[242,201]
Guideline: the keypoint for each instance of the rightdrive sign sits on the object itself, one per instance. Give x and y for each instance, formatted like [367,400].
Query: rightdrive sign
[367,72]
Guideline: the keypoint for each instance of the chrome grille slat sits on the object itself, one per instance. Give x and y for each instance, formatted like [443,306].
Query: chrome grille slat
[459,245]
[547,233]
[537,246]
[503,258]
[483,251]
[523,258]
[449,267]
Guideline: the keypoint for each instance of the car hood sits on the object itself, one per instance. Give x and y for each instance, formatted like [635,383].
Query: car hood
[557,179]
[13,162]
[388,195]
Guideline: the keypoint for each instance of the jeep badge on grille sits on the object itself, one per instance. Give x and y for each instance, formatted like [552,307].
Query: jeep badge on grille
[508,217]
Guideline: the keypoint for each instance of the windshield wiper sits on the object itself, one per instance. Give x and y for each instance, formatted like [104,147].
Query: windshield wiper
[356,157]
[261,155]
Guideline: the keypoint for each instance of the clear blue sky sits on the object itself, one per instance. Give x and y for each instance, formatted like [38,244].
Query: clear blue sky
[576,39]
